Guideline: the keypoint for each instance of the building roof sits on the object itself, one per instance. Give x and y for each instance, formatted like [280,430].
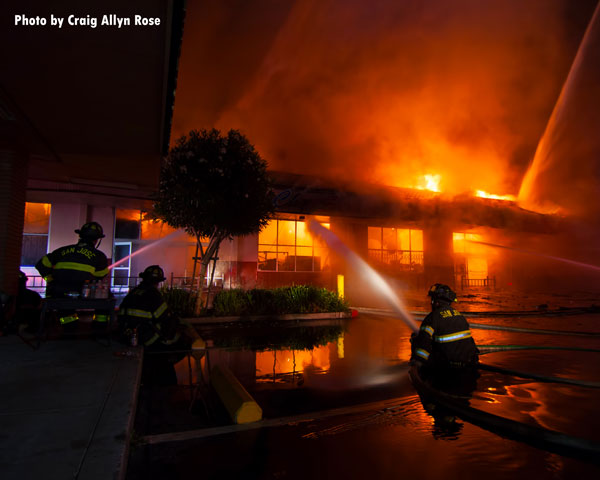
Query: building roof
[388,205]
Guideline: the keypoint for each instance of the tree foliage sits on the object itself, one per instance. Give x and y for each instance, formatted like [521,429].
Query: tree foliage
[214,184]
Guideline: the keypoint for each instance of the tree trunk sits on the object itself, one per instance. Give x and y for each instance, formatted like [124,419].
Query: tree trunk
[212,274]
[195,262]
[198,307]
[213,245]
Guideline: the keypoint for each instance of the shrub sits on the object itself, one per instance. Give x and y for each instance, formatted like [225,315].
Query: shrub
[262,301]
[277,301]
[180,301]
[234,302]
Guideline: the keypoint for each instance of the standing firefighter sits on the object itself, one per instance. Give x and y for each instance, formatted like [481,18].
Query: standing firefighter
[145,316]
[67,268]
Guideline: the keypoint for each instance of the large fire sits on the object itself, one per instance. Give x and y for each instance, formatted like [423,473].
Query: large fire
[429,182]
[432,183]
[450,99]
[481,193]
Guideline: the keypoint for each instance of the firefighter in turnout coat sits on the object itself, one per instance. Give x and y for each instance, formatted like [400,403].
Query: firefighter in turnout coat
[443,349]
[67,268]
[145,316]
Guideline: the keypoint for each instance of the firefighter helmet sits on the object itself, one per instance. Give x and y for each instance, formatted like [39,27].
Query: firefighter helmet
[153,273]
[91,230]
[442,292]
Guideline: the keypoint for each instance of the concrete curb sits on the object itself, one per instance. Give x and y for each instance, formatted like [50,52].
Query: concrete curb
[262,318]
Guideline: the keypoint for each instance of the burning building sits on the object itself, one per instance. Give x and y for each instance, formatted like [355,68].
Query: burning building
[387,125]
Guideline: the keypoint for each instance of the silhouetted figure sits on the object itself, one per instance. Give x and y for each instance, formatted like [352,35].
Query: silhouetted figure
[67,268]
[27,307]
[444,352]
[166,340]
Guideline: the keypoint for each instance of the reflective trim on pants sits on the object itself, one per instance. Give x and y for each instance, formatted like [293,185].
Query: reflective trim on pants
[69,319]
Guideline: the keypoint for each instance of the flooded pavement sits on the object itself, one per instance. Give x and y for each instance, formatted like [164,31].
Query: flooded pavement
[350,410]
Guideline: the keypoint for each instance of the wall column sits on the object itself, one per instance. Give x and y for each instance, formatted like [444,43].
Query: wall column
[438,255]
[13,183]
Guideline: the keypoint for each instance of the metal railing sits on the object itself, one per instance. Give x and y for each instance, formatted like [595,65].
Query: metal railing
[399,259]
[488,282]
[38,284]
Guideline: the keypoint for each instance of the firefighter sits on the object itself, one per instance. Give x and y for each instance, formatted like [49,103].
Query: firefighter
[27,306]
[445,354]
[145,317]
[67,268]
[444,339]
[443,347]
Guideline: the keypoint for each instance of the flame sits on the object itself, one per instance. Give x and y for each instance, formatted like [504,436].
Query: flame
[481,193]
[429,182]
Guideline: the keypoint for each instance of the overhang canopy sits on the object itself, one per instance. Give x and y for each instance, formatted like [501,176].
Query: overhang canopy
[91,104]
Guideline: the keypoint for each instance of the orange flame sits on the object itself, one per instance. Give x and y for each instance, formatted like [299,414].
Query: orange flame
[429,182]
[481,193]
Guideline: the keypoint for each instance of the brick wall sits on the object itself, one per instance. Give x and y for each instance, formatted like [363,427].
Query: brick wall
[13,179]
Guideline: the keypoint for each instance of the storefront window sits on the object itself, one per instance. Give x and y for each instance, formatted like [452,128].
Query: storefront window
[286,245]
[397,247]
[35,233]
[470,257]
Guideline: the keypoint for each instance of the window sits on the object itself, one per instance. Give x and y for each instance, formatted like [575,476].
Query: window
[120,274]
[35,233]
[286,245]
[133,225]
[127,224]
[470,257]
[396,247]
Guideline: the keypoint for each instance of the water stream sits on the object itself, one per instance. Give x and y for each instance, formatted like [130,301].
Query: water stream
[365,271]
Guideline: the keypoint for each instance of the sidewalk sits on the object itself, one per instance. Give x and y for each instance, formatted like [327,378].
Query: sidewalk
[66,409]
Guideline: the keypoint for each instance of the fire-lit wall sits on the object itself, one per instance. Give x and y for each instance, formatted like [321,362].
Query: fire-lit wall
[65,219]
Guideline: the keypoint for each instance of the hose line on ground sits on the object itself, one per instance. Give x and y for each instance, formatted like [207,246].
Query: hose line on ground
[535,376]
[485,326]
[484,349]
[539,436]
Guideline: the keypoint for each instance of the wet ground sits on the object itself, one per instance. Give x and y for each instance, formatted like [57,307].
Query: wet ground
[349,410]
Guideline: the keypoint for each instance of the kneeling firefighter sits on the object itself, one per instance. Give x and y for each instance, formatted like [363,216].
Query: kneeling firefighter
[145,316]
[443,349]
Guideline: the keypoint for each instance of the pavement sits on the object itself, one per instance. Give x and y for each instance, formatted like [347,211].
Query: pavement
[66,408]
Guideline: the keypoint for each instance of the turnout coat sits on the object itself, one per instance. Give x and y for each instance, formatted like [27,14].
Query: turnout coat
[444,340]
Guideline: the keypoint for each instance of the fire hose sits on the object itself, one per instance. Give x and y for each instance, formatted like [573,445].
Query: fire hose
[542,437]
[485,349]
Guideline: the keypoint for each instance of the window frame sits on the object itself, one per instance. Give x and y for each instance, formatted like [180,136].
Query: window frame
[378,254]
[274,248]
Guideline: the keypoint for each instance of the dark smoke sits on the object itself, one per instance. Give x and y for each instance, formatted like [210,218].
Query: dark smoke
[382,91]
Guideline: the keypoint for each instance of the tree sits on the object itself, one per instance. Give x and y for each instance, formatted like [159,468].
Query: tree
[216,187]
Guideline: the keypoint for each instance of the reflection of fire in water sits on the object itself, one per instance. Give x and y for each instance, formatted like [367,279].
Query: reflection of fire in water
[291,361]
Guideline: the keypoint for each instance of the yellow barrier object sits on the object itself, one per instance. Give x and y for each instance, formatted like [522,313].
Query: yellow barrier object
[340,286]
[241,406]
